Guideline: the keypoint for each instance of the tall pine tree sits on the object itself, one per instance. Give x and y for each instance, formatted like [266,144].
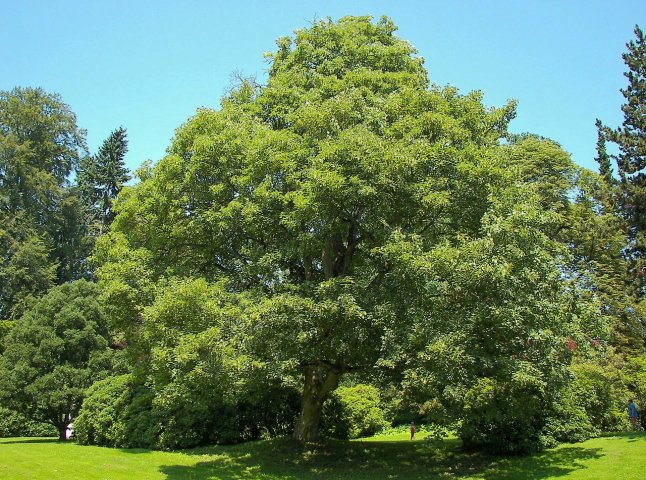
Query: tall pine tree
[629,190]
[630,138]
[102,177]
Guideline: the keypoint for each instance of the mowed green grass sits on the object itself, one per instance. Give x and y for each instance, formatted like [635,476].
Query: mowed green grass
[622,456]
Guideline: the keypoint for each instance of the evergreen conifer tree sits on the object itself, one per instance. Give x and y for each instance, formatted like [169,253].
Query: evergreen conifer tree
[602,158]
[102,177]
[630,138]
[627,197]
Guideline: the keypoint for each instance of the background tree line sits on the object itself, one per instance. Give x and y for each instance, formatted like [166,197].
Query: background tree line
[55,199]
[346,247]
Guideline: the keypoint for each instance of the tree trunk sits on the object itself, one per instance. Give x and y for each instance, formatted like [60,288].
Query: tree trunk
[62,432]
[320,380]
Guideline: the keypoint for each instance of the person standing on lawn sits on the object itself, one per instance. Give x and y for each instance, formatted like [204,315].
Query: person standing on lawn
[633,415]
[412,430]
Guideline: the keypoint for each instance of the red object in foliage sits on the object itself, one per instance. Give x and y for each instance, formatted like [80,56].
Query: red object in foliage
[570,344]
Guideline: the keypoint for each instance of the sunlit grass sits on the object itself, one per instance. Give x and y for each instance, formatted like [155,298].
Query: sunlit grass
[384,457]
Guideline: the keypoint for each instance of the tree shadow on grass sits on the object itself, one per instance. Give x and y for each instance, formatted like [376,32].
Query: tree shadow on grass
[631,436]
[549,464]
[136,451]
[32,440]
[285,459]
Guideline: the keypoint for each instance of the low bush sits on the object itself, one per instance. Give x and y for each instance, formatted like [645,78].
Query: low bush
[635,381]
[354,412]
[122,412]
[598,389]
[505,416]
[14,424]
[117,413]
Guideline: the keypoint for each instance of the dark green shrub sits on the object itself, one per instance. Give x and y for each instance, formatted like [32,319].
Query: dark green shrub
[504,417]
[635,381]
[14,424]
[354,412]
[526,414]
[117,413]
[122,412]
[141,423]
[270,411]
[98,423]
[567,421]
[590,404]
[335,422]
[593,402]
[598,389]
[198,418]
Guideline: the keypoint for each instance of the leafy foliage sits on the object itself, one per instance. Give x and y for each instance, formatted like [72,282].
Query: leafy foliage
[117,412]
[14,424]
[635,380]
[40,145]
[354,412]
[122,412]
[57,349]
[350,217]
[26,268]
[599,389]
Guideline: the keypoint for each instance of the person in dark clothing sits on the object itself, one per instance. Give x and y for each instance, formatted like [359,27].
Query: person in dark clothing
[633,415]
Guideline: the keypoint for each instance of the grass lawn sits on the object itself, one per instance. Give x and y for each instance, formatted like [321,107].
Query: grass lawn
[622,456]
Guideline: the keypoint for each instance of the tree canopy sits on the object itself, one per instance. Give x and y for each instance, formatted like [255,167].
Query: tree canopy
[349,233]
[358,219]
[57,349]
[40,145]
[630,138]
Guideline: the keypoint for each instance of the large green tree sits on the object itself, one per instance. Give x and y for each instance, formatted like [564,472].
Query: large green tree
[353,216]
[57,349]
[40,145]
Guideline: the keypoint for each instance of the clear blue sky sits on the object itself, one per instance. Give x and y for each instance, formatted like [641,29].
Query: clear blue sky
[148,65]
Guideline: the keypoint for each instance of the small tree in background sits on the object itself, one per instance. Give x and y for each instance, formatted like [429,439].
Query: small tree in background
[57,349]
